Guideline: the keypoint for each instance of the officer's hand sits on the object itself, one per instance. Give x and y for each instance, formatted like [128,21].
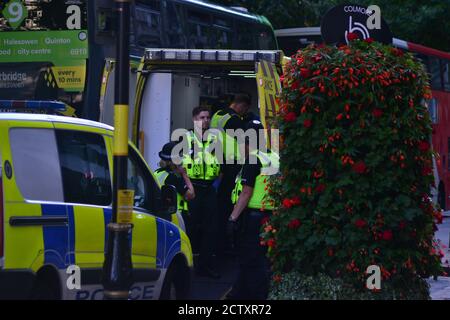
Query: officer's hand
[232,228]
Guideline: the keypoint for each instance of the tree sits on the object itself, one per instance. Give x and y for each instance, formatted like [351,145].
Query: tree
[421,21]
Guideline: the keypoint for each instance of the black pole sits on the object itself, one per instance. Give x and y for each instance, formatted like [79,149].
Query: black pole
[117,268]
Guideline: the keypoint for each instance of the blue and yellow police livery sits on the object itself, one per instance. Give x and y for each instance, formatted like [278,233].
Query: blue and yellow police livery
[55,204]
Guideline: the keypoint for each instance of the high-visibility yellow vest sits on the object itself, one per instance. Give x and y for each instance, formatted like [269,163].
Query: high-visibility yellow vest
[219,121]
[201,163]
[260,198]
[162,175]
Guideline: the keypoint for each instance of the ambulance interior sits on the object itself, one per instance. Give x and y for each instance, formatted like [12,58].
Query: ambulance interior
[170,97]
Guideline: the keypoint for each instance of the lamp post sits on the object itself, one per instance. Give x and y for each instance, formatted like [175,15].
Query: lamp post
[117,268]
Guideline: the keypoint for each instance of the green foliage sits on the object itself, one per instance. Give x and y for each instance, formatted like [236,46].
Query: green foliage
[423,22]
[356,167]
[296,286]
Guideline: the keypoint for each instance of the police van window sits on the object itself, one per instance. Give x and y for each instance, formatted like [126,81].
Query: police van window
[84,167]
[143,184]
[35,164]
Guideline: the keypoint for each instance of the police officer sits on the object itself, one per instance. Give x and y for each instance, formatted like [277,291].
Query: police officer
[203,168]
[172,173]
[229,119]
[252,205]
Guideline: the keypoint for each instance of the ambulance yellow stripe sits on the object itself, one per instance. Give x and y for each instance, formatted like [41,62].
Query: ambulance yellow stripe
[89,236]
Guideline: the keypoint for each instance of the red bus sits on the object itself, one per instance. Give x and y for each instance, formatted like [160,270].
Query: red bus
[438,65]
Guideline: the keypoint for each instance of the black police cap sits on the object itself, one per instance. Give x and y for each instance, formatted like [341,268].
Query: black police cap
[166,152]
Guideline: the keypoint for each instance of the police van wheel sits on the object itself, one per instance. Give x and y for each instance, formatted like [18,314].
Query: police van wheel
[169,288]
[45,287]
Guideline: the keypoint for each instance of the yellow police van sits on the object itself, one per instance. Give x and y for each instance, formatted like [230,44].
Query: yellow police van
[55,204]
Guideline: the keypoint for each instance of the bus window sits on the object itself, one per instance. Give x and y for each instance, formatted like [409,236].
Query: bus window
[245,37]
[174,25]
[198,30]
[435,73]
[264,37]
[446,73]
[147,23]
[222,37]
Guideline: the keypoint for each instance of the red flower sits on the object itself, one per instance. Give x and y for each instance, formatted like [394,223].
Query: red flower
[290,117]
[271,243]
[359,167]
[360,223]
[305,73]
[369,40]
[294,224]
[387,235]
[352,36]
[307,123]
[402,225]
[424,146]
[330,252]
[277,278]
[320,188]
[397,52]
[427,171]
[339,116]
[295,201]
[377,113]
[295,85]
[287,203]
[264,220]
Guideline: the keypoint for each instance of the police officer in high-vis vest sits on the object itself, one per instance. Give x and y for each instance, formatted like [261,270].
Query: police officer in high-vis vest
[252,204]
[229,119]
[172,173]
[203,168]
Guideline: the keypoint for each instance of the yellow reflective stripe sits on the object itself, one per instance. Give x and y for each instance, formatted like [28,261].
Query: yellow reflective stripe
[175,220]
[121,130]
[89,236]
[162,176]
[223,120]
[186,248]
[144,241]
[22,244]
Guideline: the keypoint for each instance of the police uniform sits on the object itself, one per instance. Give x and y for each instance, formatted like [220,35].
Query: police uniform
[226,119]
[203,168]
[254,271]
[167,176]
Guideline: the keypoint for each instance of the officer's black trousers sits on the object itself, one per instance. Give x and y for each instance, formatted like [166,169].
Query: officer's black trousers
[253,277]
[202,225]
[225,205]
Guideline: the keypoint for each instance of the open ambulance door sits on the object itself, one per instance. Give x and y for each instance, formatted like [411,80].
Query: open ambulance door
[172,82]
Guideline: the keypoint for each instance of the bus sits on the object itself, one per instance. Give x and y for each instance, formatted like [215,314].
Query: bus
[438,65]
[64,50]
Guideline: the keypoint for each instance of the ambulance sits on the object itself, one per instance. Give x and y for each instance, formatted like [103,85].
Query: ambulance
[170,83]
[55,204]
